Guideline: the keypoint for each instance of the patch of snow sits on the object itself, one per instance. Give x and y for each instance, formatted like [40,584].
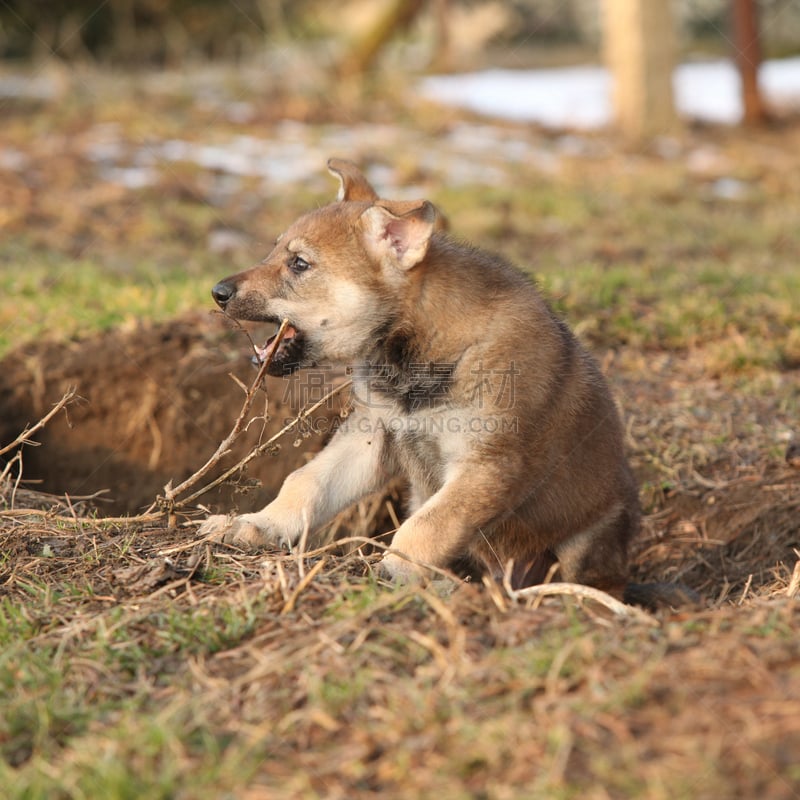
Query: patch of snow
[781,81]
[708,92]
[580,97]
[240,112]
[39,87]
[227,240]
[571,97]
[279,163]
[13,160]
[730,189]
[130,177]
[296,154]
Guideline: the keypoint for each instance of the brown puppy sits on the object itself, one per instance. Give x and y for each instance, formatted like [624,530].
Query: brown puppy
[465,382]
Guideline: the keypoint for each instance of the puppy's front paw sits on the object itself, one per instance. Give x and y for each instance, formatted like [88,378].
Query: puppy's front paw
[238,531]
[400,570]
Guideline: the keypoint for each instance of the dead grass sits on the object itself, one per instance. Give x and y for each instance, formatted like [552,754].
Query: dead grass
[139,660]
[132,662]
[136,661]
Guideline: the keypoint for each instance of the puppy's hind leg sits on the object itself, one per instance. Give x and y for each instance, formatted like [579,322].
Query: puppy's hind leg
[598,555]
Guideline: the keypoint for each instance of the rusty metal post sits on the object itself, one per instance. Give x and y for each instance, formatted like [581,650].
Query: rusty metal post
[747,54]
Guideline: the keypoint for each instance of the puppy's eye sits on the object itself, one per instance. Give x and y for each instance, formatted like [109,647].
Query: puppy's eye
[298,264]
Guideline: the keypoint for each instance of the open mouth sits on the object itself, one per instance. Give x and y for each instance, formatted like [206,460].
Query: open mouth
[288,355]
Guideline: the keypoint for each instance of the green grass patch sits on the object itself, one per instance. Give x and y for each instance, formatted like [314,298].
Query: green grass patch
[59,297]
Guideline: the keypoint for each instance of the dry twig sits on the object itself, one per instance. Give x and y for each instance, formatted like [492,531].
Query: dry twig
[617,607]
[264,446]
[25,436]
[171,493]
[171,502]
[53,517]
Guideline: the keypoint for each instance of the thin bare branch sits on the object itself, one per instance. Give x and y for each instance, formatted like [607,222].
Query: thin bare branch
[170,492]
[617,607]
[25,436]
[264,446]
[73,520]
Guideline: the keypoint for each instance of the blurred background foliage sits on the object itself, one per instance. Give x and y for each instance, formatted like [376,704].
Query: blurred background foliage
[156,32]
[167,32]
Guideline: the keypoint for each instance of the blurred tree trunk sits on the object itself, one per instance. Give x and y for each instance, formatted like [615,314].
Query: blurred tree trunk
[640,50]
[273,15]
[362,55]
[747,53]
[442,54]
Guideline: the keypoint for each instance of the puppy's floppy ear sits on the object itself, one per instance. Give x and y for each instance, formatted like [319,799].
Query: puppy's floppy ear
[354,186]
[399,233]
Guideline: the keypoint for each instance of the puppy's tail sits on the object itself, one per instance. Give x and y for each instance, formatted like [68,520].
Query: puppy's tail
[655,596]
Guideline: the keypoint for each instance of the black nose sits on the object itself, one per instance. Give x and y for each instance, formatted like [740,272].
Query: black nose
[222,293]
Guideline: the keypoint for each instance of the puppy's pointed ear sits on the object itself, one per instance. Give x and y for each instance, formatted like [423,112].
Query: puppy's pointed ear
[399,233]
[353,184]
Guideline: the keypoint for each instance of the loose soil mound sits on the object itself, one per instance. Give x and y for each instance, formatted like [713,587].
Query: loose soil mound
[154,404]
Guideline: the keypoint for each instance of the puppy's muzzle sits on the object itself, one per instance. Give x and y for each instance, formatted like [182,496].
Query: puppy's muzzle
[223,293]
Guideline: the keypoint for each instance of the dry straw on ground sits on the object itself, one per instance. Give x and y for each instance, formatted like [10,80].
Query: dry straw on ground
[132,654]
[316,676]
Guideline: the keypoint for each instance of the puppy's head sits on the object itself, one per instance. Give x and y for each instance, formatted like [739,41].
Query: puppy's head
[337,274]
